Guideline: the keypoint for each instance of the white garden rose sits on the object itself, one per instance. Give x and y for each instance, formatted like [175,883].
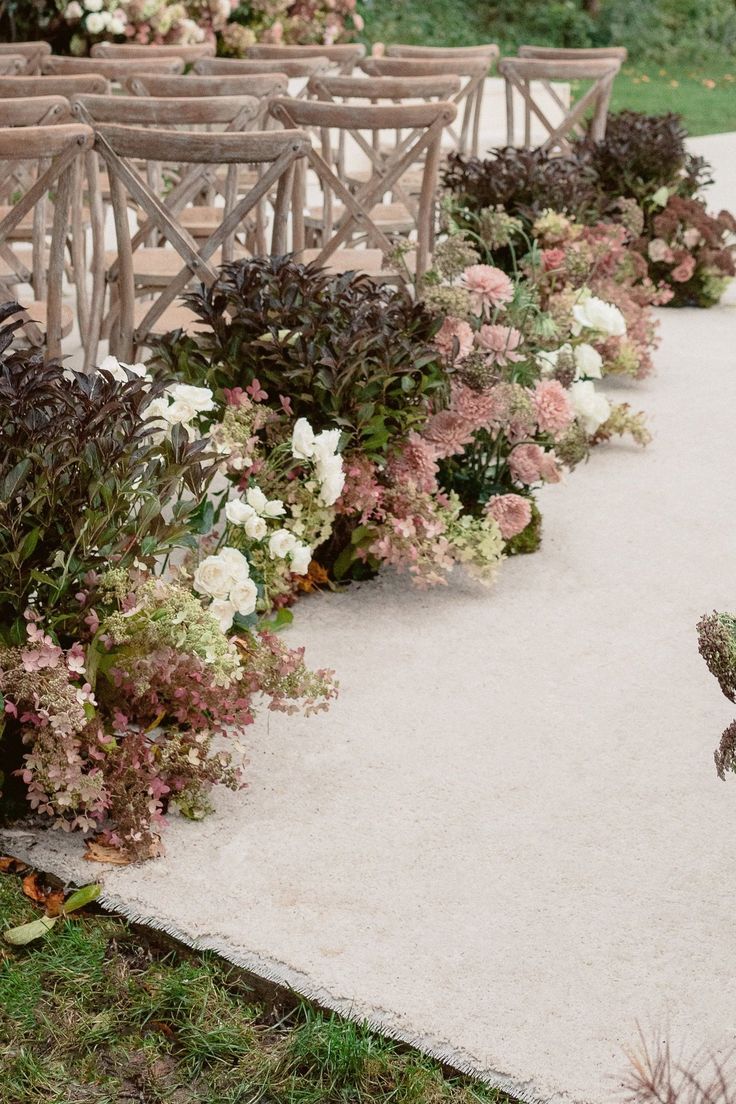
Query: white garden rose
[331,475]
[244,597]
[214,577]
[588,362]
[96,22]
[117,369]
[281,543]
[592,408]
[274,508]
[592,313]
[93,5]
[180,412]
[117,23]
[73,12]
[224,610]
[238,512]
[325,444]
[198,398]
[301,557]
[256,499]
[237,563]
[256,528]
[302,440]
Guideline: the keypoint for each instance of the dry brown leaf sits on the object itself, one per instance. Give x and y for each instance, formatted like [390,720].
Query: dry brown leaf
[102,853]
[11,865]
[42,893]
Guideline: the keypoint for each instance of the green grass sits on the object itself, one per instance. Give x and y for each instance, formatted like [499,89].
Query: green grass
[98,1014]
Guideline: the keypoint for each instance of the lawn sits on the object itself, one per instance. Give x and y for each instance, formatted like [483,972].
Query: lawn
[97,1013]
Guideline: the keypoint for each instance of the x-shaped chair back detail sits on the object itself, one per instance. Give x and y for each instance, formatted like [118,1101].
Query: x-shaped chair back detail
[275,152]
[32,111]
[33,52]
[425,122]
[519,73]
[471,70]
[55,150]
[127,51]
[342,58]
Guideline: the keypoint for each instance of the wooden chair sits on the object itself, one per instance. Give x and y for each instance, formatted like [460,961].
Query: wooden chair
[23,87]
[294,69]
[519,75]
[33,52]
[342,58]
[360,214]
[276,152]
[262,87]
[472,71]
[12,65]
[488,50]
[553,53]
[54,150]
[114,69]
[125,51]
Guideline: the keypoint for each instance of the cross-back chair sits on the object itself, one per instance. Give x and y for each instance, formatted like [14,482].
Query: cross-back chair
[472,71]
[33,52]
[12,65]
[588,53]
[276,152]
[342,58]
[488,50]
[114,69]
[295,69]
[121,51]
[23,87]
[53,150]
[521,74]
[261,86]
[346,215]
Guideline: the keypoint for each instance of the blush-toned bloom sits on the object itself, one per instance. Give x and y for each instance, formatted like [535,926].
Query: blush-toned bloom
[659,251]
[511,512]
[448,432]
[501,343]
[553,410]
[487,286]
[531,464]
[684,270]
[454,330]
[553,259]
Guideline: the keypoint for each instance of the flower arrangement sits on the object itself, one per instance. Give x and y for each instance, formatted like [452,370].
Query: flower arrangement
[717,646]
[689,250]
[122,693]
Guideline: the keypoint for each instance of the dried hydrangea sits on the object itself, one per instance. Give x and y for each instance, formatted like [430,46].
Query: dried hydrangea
[447,300]
[717,646]
[497,228]
[453,255]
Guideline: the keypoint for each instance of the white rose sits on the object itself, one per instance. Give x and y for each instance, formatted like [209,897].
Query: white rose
[238,512]
[199,398]
[301,557]
[117,24]
[281,543]
[591,408]
[214,577]
[179,412]
[658,250]
[273,508]
[224,610]
[302,440]
[96,23]
[256,528]
[547,360]
[593,314]
[157,408]
[236,562]
[588,362]
[325,444]
[332,479]
[244,597]
[73,12]
[256,499]
[692,237]
[93,5]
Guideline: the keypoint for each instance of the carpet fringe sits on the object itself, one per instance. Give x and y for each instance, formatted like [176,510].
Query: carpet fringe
[298,983]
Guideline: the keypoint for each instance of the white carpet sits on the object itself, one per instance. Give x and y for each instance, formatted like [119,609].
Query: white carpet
[507,841]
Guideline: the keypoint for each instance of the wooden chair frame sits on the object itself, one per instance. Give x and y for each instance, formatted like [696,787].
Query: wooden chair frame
[13,65]
[121,146]
[25,86]
[122,51]
[425,123]
[473,70]
[519,73]
[342,58]
[262,87]
[230,67]
[114,69]
[33,52]
[592,53]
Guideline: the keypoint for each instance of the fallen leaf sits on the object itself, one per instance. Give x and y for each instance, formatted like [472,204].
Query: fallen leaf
[10,865]
[26,933]
[43,894]
[102,853]
[81,897]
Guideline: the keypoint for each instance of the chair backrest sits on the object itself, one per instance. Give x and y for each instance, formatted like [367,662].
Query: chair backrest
[384,88]
[274,152]
[259,85]
[228,67]
[488,50]
[56,150]
[33,52]
[13,87]
[36,111]
[521,73]
[125,50]
[553,53]
[425,123]
[12,65]
[342,58]
[472,70]
[233,112]
[113,69]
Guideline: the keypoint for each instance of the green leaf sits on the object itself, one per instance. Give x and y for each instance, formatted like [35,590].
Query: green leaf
[13,481]
[82,897]
[30,541]
[26,933]
[280,620]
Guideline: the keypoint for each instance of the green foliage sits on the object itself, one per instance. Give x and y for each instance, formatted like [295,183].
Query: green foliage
[82,482]
[345,350]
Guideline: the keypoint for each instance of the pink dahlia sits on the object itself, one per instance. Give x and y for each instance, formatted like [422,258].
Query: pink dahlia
[448,432]
[480,409]
[512,513]
[452,330]
[530,464]
[684,270]
[416,464]
[501,343]
[552,407]
[488,287]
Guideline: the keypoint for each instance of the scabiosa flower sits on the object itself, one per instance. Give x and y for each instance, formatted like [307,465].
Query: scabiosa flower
[552,407]
[501,343]
[488,287]
[454,334]
[511,512]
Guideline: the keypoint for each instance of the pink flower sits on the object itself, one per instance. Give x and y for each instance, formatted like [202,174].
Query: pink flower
[530,464]
[416,464]
[552,259]
[488,287]
[452,330]
[684,270]
[512,512]
[500,342]
[480,409]
[552,407]
[256,392]
[448,432]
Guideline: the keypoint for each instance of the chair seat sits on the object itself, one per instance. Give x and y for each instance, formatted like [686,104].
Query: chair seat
[175,317]
[24,229]
[37,311]
[369,261]
[157,266]
[387,216]
[25,256]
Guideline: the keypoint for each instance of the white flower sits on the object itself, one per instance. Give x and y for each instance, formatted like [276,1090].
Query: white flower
[256,528]
[180,412]
[93,5]
[199,398]
[592,313]
[244,597]
[237,563]
[96,22]
[325,444]
[658,250]
[301,557]
[238,512]
[256,499]
[157,408]
[302,440]
[332,479]
[224,610]
[218,575]
[547,360]
[588,362]
[117,23]
[591,408]
[281,543]
[273,508]
[692,237]
[117,369]
[73,12]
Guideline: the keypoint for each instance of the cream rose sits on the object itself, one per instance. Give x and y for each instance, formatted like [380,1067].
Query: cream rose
[591,408]
[281,543]
[588,362]
[302,440]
